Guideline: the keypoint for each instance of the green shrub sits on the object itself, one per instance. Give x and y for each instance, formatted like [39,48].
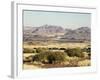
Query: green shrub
[74,52]
[33,51]
[27,50]
[88,50]
[56,57]
[89,55]
[39,50]
[62,48]
[50,57]
[54,48]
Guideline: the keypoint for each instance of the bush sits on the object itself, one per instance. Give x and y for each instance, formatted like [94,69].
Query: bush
[50,57]
[74,52]
[27,59]
[62,48]
[27,50]
[54,48]
[56,57]
[88,50]
[33,51]
[39,50]
[89,55]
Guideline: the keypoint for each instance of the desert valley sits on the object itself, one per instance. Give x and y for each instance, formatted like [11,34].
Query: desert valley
[52,46]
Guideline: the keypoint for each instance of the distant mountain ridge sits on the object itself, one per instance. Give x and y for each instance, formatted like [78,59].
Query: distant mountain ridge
[83,33]
[48,30]
[53,32]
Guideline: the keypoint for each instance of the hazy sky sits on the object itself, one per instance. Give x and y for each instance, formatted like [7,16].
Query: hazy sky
[64,19]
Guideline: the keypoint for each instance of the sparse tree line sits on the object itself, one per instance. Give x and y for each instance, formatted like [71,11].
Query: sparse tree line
[39,50]
[47,56]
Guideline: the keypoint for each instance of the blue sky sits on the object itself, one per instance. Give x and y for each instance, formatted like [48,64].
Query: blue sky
[64,19]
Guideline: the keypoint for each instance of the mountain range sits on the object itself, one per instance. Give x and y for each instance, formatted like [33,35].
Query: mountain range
[52,32]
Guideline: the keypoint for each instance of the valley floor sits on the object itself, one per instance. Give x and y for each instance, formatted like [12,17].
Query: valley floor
[71,61]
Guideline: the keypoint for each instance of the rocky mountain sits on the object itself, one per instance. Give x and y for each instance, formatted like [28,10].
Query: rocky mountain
[52,32]
[48,30]
[80,34]
[43,32]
